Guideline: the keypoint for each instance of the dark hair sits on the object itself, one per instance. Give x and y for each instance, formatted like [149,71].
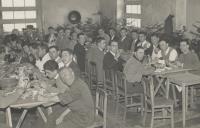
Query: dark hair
[43,46]
[55,47]
[139,47]
[70,51]
[144,33]
[51,65]
[13,37]
[155,34]
[124,29]
[50,27]
[60,28]
[185,40]
[99,40]
[33,45]
[80,34]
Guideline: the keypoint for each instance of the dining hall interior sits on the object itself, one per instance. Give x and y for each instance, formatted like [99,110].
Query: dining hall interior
[99,63]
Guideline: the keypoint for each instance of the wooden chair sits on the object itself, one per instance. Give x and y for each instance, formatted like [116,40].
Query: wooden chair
[109,82]
[156,104]
[93,75]
[85,75]
[100,109]
[131,99]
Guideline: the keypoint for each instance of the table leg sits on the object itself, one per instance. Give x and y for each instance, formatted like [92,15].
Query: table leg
[42,114]
[186,99]
[21,118]
[9,117]
[167,88]
[183,105]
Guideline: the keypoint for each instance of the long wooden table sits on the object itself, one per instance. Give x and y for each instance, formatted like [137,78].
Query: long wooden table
[184,81]
[25,104]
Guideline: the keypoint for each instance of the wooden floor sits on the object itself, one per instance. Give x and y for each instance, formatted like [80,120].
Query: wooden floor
[116,118]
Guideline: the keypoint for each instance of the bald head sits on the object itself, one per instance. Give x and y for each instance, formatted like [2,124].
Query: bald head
[67,76]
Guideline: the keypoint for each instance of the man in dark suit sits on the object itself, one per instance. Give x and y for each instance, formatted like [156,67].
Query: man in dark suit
[51,36]
[112,59]
[96,55]
[125,41]
[113,35]
[80,51]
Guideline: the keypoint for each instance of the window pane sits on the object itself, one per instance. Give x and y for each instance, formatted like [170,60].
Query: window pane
[8,27]
[7,15]
[30,3]
[134,9]
[19,15]
[20,26]
[133,22]
[7,3]
[30,14]
[34,24]
[18,3]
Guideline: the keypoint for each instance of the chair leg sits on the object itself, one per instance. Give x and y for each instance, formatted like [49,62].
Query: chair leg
[145,115]
[152,118]
[142,104]
[172,117]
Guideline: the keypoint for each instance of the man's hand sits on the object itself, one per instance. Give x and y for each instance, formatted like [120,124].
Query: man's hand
[59,120]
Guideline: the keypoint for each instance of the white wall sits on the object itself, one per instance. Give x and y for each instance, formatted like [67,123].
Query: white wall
[55,12]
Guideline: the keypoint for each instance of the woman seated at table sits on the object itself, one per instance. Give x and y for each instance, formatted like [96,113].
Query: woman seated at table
[135,68]
[188,58]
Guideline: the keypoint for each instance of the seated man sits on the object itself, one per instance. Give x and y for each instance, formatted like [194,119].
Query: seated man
[77,103]
[96,55]
[51,71]
[167,54]
[111,60]
[188,58]
[43,56]
[54,55]
[69,61]
[144,43]
[135,66]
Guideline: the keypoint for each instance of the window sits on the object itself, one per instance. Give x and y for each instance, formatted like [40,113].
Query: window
[18,14]
[133,9]
[18,3]
[133,13]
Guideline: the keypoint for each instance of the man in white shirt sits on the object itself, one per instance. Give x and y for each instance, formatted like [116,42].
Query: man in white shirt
[54,54]
[155,42]
[43,57]
[167,53]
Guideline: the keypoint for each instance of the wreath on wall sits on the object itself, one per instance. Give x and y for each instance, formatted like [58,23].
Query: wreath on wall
[74,17]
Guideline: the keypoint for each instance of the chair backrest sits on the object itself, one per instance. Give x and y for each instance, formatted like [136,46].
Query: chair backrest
[148,86]
[109,79]
[120,81]
[93,70]
[101,104]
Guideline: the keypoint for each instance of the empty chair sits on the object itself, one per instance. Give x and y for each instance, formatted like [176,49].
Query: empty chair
[93,75]
[156,104]
[109,82]
[100,109]
[133,99]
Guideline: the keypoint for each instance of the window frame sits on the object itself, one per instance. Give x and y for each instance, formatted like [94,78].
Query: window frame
[133,15]
[36,20]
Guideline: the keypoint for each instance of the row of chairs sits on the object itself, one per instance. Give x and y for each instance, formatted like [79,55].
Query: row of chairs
[115,84]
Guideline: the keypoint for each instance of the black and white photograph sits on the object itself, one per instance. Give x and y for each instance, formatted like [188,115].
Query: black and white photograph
[99,64]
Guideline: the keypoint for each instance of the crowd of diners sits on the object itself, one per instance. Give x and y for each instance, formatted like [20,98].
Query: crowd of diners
[62,55]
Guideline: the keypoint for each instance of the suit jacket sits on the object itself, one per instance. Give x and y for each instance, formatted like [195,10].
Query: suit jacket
[75,68]
[109,63]
[96,55]
[125,44]
[80,52]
